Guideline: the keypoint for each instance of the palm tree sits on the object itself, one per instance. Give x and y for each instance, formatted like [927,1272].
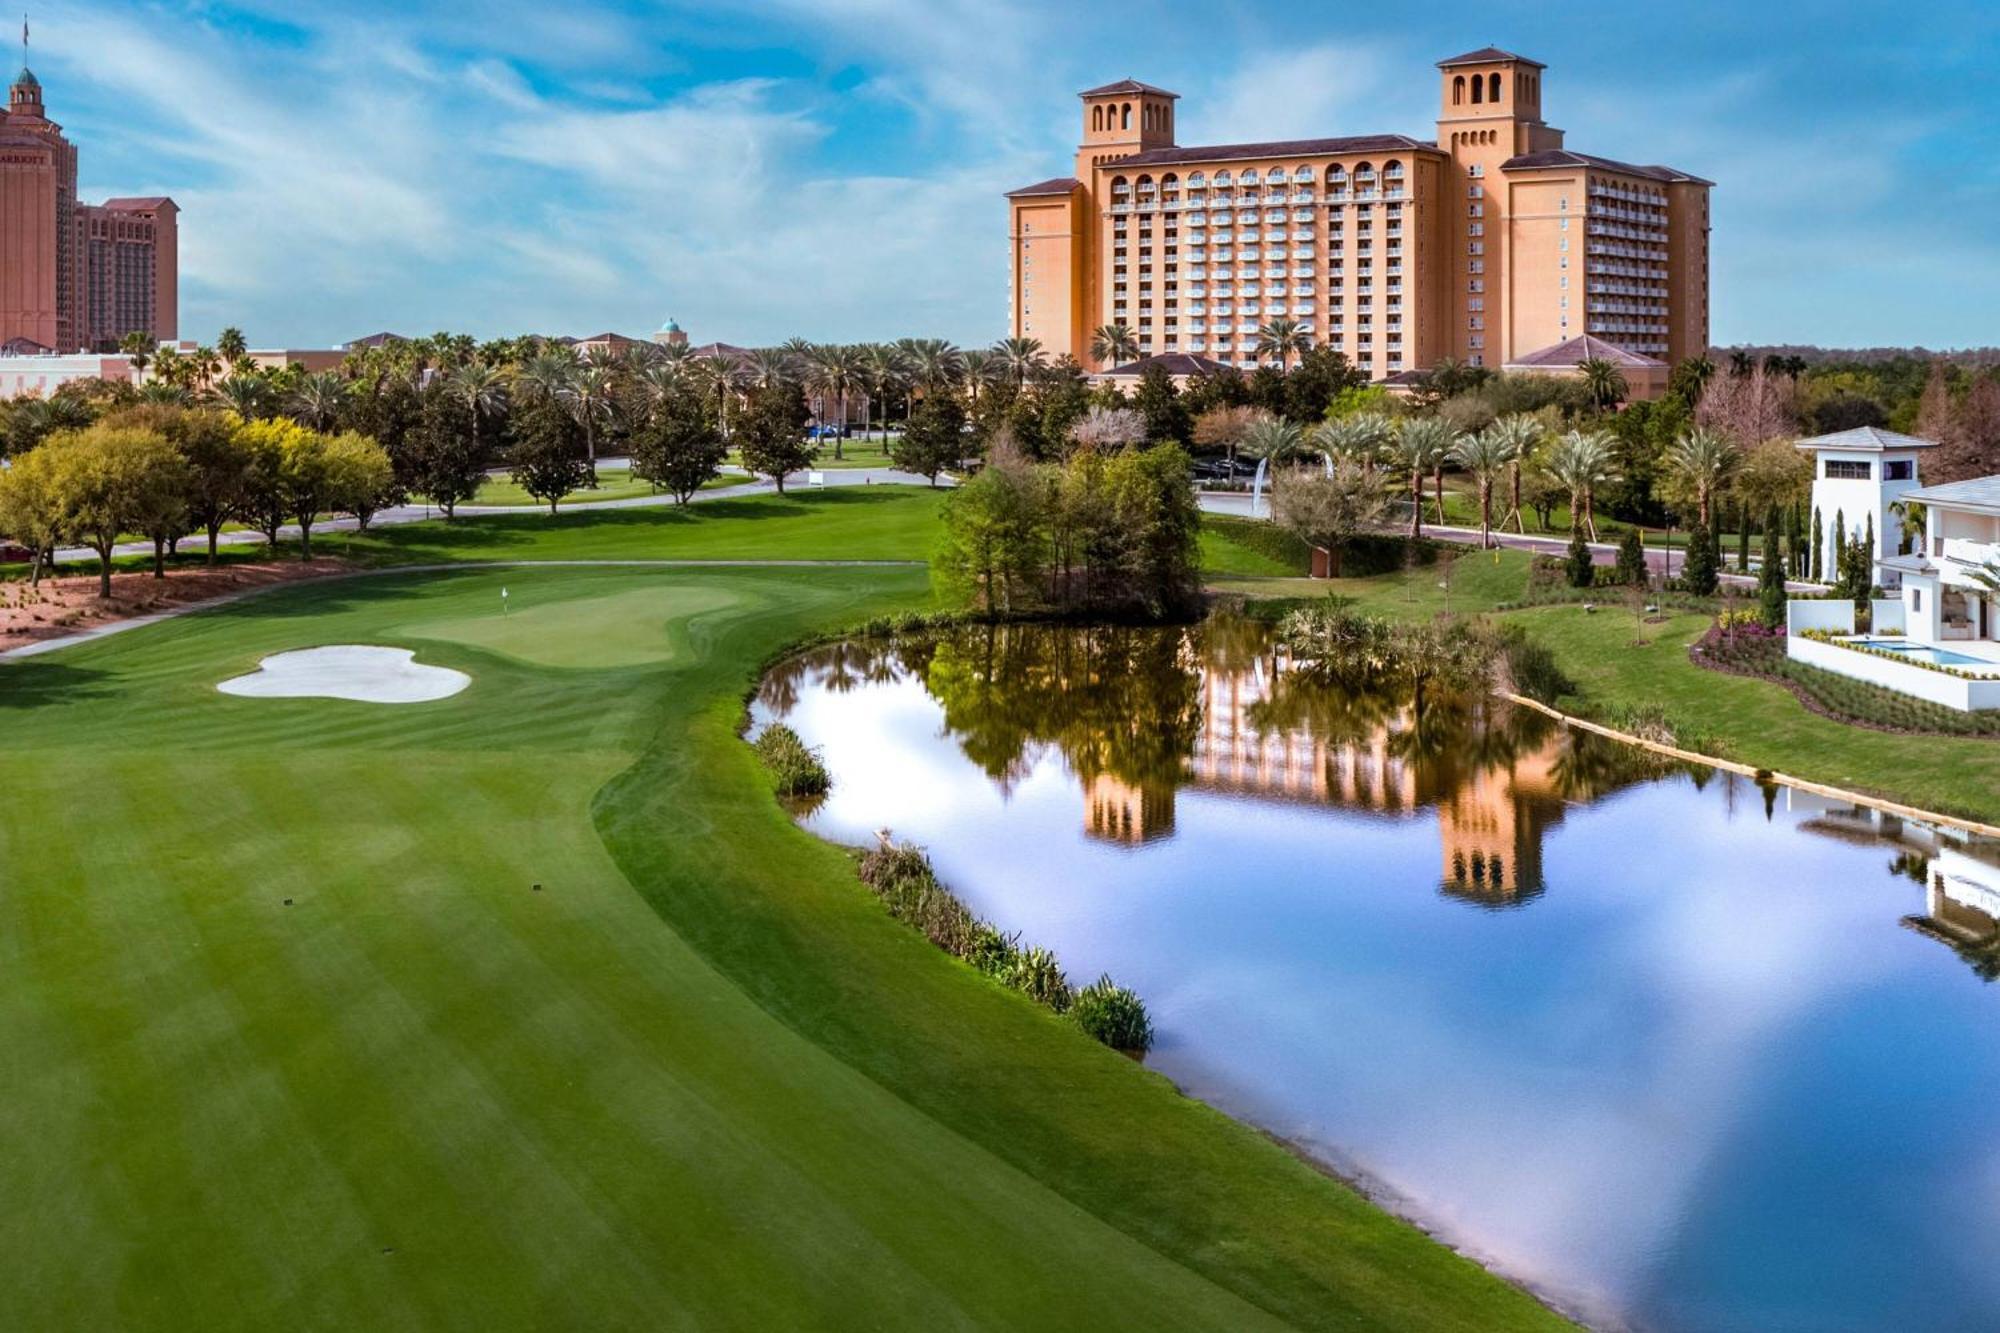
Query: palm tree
[245,394]
[316,403]
[1359,438]
[1521,433]
[1701,460]
[589,396]
[982,367]
[230,343]
[770,367]
[1272,438]
[1114,343]
[548,374]
[883,366]
[724,378]
[1581,462]
[482,388]
[1485,455]
[836,369]
[1021,357]
[138,344]
[1283,339]
[1603,381]
[1419,449]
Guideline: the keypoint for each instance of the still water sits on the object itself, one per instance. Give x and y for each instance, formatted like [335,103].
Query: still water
[1676,1050]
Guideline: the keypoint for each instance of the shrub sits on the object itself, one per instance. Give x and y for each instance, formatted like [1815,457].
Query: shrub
[1577,563]
[1631,567]
[992,952]
[796,768]
[1113,1015]
[1533,668]
[1040,977]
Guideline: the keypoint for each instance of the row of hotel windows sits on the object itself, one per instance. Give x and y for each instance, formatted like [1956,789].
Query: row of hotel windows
[1363,177]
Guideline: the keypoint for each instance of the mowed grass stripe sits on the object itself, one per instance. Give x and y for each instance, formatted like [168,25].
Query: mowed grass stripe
[557,1109]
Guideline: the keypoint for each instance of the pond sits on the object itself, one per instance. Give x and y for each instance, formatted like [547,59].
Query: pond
[1677,1050]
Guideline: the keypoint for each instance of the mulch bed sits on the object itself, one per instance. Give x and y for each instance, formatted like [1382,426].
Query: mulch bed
[71,603]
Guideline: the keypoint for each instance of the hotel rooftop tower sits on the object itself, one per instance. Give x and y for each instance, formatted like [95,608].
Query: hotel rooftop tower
[1487,243]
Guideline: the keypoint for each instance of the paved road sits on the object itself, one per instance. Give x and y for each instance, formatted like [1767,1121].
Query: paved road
[419,513]
[1658,559]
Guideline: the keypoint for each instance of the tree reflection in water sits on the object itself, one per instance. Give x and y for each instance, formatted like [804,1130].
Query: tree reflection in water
[1139,713]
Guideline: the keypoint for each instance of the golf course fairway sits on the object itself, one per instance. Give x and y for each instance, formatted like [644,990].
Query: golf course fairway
[292,1039]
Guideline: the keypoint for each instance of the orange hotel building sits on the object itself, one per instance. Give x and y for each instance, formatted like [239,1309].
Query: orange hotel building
[1487,244]
[75,276]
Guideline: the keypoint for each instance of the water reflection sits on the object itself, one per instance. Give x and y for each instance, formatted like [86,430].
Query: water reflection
[1708,1055]
[1139,715]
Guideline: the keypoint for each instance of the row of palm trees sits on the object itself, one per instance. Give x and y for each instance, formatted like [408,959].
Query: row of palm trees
[1420,448]
[1280,340]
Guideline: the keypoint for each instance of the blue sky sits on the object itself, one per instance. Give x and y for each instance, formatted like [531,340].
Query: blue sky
[833,168]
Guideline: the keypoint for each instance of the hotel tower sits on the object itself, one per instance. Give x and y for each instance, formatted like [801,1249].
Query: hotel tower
[74,276]
[1490,244]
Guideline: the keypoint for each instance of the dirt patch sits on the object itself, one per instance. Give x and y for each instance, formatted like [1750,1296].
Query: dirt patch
[70,604]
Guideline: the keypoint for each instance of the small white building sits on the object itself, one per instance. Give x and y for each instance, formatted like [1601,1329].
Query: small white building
[1861,473]
[41,374]
[1944,596]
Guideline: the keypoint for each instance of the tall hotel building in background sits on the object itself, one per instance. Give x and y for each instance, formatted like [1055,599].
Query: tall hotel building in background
[1486,245]
[74,276]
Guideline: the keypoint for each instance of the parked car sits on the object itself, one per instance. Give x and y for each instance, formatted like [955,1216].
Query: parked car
[824,433]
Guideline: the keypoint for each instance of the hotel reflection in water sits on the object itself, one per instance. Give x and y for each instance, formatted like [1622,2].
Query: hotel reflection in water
[1491,816]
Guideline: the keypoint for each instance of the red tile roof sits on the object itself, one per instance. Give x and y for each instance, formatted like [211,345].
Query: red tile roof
[1488,55]
[1563,157]
[1054,185]
[1174,363]
[1126,86]
[1575,351]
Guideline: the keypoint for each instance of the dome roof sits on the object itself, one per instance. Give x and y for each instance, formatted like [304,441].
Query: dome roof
[26,78]
[670,326]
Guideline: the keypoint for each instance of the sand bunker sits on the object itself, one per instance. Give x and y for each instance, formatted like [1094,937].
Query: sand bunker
[348,671]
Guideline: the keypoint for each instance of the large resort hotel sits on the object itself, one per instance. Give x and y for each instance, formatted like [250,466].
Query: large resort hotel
[1491,244]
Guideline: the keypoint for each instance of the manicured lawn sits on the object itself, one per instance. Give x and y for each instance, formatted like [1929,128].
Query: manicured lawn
[699,1078]
[845,522]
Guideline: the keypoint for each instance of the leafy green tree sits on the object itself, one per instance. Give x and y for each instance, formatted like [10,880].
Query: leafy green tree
[1818,572]
[1159,404]
[1578,566]
[1158,518]
[995,546]
[1771,595]
[547,459]
[359,476]
[445,458]
[1330,511]
[31,507]
[1699,573]
[934,440]
[1631,568]
[771,433]
[111,480]
[1321,377]
[679,447]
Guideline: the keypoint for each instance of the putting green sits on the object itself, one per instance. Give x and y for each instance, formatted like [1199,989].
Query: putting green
[556,626]
[293,1040]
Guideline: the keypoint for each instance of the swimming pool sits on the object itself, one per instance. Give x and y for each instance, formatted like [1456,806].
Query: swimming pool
[1924,652]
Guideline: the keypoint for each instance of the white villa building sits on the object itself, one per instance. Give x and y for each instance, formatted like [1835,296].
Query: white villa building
[1859,474]
[1938,638]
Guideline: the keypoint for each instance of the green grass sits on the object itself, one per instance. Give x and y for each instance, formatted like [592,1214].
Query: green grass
[699,1079]
[845,522]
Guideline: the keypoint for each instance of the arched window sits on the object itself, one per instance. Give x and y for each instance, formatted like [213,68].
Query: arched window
[1392,170]
[1458,91]
[1196,180]
[1275,176]
[1221,180]
[1493,88]
[1478,90]
[1125,117]
[1097,119]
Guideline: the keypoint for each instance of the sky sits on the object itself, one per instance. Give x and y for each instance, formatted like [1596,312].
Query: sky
[833,169]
